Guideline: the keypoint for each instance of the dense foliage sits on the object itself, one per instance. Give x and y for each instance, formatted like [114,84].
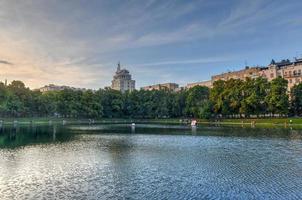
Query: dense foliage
[232,98]
[257,97]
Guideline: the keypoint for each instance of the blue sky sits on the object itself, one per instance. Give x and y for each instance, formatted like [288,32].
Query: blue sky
[79,43]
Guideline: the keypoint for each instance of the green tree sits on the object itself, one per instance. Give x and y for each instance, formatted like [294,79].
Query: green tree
[48,103]
[91,107]
[112,102]
[197,102]
[254,92]
[4,94]
[296,99]
[216,97]
[277,98]
[19,99]
[232,96]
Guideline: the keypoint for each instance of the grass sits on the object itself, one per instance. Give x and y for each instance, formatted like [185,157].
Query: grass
[47,120]
[29,120]
[261,122]
[265,120]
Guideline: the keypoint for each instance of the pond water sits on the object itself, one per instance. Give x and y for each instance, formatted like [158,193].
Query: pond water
[149,161]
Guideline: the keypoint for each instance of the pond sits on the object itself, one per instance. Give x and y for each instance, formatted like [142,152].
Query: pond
[149,161]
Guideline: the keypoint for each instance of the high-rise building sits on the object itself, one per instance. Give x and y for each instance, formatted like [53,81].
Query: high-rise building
[122,80]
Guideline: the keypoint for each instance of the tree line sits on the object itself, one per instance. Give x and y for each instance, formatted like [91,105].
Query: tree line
[233,98]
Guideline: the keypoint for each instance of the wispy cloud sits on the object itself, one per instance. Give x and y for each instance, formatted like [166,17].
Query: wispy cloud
[190,61]
[77,43]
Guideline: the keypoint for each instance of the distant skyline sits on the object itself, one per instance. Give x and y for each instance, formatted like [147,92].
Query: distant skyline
[79,43]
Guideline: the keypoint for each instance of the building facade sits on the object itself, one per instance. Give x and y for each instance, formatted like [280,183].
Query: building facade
[202,83]
[122,80]
[290,71]
[163,86]
[52,87]
[248,72]
[274,70]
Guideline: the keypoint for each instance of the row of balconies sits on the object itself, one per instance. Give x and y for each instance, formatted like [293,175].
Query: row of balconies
[292,75]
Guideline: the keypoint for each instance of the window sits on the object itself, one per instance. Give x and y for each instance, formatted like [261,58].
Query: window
[290,80]
[272,75]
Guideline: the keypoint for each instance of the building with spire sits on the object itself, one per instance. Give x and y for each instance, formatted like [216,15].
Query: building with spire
[122,80]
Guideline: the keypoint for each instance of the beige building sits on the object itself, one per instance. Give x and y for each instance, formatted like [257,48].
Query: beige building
[164,86]
[248,72]
[292,74]
[122,80]
[269,72]
[274,69]
[202,83]
[291,71]
[52,87]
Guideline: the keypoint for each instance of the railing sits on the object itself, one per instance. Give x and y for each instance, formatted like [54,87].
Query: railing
[292,75]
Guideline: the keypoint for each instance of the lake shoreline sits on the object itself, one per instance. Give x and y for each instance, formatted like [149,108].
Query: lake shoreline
[251,122]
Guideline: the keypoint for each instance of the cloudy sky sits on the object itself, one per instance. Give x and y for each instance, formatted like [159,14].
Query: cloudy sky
[79,42]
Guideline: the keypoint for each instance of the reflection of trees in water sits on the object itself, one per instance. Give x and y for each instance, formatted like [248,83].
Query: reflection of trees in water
[124,167]
[220,130]
[122,160]
[54,133]
[295,134]
[119,145]
[18,135]
[250,132]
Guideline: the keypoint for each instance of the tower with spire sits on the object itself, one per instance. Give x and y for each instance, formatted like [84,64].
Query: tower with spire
[118,67]
[122,80]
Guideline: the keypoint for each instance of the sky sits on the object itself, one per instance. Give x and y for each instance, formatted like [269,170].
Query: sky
[79,42]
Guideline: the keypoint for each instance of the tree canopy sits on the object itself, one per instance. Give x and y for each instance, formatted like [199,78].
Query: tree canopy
[231,98]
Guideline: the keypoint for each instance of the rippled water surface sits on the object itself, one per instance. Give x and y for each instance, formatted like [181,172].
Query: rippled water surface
[149,162]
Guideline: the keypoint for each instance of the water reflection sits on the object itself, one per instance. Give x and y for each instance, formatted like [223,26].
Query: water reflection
[54,133]
[149,162]
[132,129]
[225,131]
[18,135]
[194,130]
